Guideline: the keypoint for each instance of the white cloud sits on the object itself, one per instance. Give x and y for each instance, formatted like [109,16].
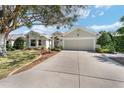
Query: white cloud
[103,6]
[93,16]
[48,30]
[111,27]
[101,13]
[97,13]
[84,13]
[43,29]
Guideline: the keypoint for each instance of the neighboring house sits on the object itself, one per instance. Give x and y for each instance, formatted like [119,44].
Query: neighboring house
[32,40]
[78,39]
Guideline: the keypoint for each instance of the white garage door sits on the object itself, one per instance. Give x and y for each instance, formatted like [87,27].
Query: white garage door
[79,44]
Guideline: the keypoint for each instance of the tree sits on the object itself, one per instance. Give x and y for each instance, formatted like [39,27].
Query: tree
[107,42]
[120,30]
[119,39]
[104,39]
[122,19]
[14,16]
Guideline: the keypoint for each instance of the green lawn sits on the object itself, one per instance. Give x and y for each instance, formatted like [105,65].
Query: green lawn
[15,59]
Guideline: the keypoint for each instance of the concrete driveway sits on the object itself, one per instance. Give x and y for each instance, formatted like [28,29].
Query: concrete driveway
[72,69]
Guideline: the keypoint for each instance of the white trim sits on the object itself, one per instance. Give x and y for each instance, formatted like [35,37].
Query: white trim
[94,44]
[52,43]
[63,43]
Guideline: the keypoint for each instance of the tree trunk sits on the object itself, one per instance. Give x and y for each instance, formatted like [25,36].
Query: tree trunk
[2,44]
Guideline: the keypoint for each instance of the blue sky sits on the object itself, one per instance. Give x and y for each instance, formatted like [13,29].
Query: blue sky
[96,18]
[103,15]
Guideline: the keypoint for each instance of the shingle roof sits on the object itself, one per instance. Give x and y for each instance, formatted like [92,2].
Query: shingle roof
[15,36]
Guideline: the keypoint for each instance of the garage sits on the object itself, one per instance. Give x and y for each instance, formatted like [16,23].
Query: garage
[79,39]
[79,44]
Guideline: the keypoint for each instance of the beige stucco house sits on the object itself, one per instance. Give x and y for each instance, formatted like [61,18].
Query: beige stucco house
[77,39]
[32,39]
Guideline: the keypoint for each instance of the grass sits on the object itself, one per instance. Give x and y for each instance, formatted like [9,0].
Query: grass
[15,59]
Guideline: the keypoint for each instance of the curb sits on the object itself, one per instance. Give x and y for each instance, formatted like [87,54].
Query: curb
[16,70]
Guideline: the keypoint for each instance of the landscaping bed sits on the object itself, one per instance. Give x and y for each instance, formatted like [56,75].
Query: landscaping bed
[35,62]
[19,58]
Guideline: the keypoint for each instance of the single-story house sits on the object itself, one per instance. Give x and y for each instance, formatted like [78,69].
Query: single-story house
[32,39]
[77,39]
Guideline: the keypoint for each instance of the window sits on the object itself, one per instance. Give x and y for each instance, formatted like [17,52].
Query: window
[39,42]
[33,42]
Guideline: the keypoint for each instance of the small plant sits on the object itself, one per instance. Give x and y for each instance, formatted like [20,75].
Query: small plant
[104,50]
[57,48]
[42,48]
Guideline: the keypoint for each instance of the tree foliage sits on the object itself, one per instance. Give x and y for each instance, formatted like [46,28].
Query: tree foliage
[14,16]
[119,40]
[122,19]
[120,30]
[104,39]
[107,42]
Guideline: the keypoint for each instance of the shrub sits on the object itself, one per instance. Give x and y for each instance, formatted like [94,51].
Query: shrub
[19,43]
[104,39]
[107,43]
[59,48]
[98,50]
[104,50]
[56,49]
[9,47]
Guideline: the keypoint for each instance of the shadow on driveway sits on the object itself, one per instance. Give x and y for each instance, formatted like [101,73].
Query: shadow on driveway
[109,60]
[101,58]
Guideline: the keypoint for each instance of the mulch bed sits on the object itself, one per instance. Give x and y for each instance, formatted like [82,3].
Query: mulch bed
[118,59]
[36,62]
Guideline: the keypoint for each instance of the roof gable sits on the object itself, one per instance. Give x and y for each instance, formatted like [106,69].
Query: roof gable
[58,34]
[79,32]
[36,34]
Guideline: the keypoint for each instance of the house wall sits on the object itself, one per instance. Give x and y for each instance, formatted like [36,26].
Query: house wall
[79,33]
[58,42]
[36,37]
